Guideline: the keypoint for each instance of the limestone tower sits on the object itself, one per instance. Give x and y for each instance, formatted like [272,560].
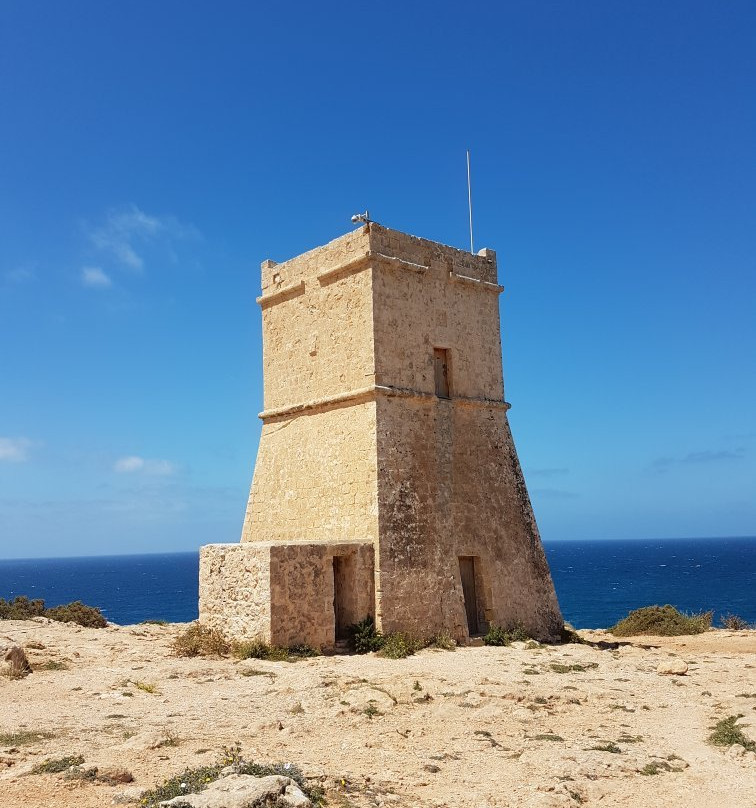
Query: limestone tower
[386,482]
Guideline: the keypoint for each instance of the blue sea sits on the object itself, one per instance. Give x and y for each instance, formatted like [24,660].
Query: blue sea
[597,582]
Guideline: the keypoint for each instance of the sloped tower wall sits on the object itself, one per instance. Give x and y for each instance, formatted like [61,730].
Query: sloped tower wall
[386,465]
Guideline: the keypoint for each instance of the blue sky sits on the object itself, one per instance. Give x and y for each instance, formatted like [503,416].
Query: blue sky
[152,154]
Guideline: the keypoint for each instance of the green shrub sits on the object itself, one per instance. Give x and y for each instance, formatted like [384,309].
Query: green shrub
[198,640]
[734,623]
[559,667]
[726,734]
[258,649]
[656,767]
[190,781]
[498,635]
[21,608]
[77,612]
[444,641]
[23,737]
[52,665]
[364,637]
[661,621]
[399,645]
[605,747]
[57,765]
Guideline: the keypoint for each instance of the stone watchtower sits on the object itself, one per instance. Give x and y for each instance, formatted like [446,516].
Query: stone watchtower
[386,482]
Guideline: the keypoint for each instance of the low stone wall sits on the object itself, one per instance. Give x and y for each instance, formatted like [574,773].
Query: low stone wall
[285,592]
[234,590]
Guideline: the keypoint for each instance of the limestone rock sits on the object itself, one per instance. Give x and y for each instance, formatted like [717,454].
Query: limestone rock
[128,796]
[245,791]
[672,667]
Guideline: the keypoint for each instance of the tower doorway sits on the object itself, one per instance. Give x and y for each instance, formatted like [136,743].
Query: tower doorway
[467,574]
[341,610]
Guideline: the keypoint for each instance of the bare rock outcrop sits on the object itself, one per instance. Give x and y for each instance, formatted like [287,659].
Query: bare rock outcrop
[672,667]
[245,791]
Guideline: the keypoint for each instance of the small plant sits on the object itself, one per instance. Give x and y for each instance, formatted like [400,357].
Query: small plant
[52,665]
[558,667]
[662,621]
[57,765]
[726,733]
[734,623]
[364,637]
[190,781]
[258,649]
[251,649]
[371,710]
[169,739]
[417,686]
[199,640]
[548,736]
[443,641]
[605,747]
[23,737]
[499,636]
[147,687]
[399,645]
[154,623]
[657,767]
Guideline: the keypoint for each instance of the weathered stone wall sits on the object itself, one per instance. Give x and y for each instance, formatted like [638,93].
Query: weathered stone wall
[302,591]
[317,325]
[316,478]
[451,486]
[357,447]
[315,475]
[453,304]
[449,480]
[283,593]
[234,590]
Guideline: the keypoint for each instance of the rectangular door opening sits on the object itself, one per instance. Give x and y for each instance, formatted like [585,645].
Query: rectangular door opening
[441,371]
[467,574]
[341,610]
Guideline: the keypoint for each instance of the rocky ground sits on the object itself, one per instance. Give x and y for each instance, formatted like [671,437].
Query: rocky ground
[521,726]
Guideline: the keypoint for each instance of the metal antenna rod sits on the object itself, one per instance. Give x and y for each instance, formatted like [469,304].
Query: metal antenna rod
[469,200]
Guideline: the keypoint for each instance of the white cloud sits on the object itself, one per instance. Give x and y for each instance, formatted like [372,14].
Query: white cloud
[15,450]
[125,233]
[95,278]
[127,464]
[154,467]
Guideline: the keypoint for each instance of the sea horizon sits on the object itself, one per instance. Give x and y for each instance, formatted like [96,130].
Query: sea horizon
[543,541]
[598,581]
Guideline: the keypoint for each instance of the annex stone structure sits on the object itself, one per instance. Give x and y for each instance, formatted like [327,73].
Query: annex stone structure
[387,482]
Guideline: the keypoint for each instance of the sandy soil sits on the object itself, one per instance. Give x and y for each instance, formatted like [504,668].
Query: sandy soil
[475,727]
